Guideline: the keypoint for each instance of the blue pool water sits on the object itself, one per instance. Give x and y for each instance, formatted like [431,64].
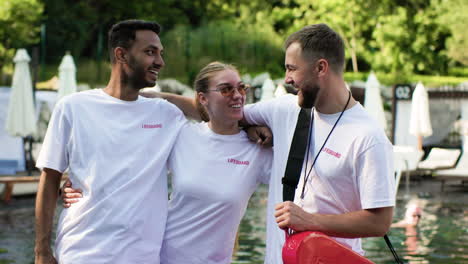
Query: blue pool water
[441,237]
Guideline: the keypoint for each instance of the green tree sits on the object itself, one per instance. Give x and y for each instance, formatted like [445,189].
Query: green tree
[352,19]
[19,27]
[252,48]
[75,25]
[408,38]
[391,40]
[454,16]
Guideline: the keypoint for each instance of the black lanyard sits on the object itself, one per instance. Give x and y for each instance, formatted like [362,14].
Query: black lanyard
[306,177]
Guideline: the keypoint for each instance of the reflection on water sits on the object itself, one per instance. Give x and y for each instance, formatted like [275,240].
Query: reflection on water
[252,230]
[441,236]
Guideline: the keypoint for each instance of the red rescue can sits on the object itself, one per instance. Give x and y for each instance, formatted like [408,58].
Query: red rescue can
[318,248]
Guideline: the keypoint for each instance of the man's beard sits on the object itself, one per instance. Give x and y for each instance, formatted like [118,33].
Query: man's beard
[308,96]
[137,77]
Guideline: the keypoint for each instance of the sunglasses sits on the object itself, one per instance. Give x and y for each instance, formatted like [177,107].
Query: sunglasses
[228,90]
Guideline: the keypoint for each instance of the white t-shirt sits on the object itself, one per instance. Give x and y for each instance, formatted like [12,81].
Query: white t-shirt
[353,172]
[116,152]
[213,178]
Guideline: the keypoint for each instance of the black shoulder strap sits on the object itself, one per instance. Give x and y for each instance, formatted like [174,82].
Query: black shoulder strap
[394,253]
[296,155]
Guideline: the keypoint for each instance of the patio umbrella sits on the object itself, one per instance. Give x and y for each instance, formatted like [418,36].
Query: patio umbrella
[21,118]
[67,76]
[420,121]
[268,89]
[280,90]
[373,101]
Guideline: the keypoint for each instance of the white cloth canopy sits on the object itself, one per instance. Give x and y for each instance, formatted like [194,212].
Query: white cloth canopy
[21,119]
[67,76]
[280,90]
[420,121]
[11,148]
[268,89]
[373,100]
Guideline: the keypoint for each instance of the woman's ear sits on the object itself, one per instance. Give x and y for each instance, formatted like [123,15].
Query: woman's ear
[202,104]
[202,99]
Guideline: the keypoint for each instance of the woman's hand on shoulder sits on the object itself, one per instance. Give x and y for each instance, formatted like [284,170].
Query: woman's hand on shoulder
[70,195]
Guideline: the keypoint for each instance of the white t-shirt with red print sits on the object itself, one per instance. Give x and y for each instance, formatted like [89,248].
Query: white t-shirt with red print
[116,152]
[353,172]
[213,177]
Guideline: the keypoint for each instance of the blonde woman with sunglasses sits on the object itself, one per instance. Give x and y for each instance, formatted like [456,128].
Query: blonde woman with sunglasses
[215,170]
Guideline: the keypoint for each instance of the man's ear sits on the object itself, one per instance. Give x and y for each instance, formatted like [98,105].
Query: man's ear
[322,67]
[120,55]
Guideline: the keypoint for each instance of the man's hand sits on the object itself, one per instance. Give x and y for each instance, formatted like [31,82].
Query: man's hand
[70,195]
[260,135]
[289,215]
[45,259]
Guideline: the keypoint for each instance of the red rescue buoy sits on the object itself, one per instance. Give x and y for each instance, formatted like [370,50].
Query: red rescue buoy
[318,248]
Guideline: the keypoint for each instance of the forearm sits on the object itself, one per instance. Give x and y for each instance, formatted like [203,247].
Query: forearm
[45,208]
[363,223]
[186,104]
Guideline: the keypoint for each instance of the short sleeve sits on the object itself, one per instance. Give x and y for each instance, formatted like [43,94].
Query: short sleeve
[177,116]
[54,151]
[173,155]
[265,174]
[259,113]
[375,176]
[270,111]
[180,122]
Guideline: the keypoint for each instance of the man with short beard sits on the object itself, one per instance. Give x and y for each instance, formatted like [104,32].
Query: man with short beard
[115,145]
[346,187]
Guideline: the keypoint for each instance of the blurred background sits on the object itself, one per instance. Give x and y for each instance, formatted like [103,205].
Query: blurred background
[401,41]
[402,56]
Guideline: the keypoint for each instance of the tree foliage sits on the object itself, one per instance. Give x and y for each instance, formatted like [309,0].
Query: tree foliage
[249,47]
[19,26]
[352,19]
[393,36]
[454,17]
[407,38]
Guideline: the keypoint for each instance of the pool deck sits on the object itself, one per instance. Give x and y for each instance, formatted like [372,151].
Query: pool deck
[19,184]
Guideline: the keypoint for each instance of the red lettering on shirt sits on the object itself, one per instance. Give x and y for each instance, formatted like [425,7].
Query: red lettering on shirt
[148,126]
[331,152]
[238,162]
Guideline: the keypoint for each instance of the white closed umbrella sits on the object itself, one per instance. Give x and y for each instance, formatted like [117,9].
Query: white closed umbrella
[280,91]
[420,121]
[373,100]
[268,89]
[67,77]
[21,118]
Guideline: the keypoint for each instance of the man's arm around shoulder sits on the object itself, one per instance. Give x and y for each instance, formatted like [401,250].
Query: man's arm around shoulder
[186,104]
[46,201]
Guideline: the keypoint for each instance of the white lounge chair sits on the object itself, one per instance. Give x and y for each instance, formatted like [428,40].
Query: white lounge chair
[406,159]
[459,172]
[440,158]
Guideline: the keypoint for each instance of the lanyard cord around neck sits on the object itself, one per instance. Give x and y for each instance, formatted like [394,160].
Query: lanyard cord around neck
[306,178]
